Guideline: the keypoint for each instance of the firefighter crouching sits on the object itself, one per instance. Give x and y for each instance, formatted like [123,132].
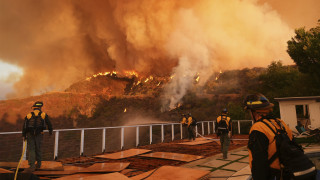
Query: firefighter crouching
[224,130]
[273,153]
[34,124]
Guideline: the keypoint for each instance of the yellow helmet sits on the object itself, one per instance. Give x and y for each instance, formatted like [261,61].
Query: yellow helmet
[257,102]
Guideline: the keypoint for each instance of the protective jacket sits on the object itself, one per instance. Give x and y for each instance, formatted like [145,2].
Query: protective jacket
[226,119]
[184,121]
[35,122]
[191,121]
[262,146]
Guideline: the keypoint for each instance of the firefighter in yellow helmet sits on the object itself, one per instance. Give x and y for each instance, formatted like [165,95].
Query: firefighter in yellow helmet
[34,124]
[265,151]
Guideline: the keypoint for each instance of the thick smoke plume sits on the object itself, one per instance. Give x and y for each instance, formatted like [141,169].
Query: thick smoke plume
[59,42]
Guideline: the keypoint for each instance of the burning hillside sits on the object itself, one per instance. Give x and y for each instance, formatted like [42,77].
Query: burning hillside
[119,84]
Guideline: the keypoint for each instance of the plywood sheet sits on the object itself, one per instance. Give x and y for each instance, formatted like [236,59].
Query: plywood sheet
[173,173]
[124,154]
[45,165]
[110,176]
[107,167]
[192,143]
[73,168]
[5,171]
[75,176]
[54,173]
[9,164]
[173,156]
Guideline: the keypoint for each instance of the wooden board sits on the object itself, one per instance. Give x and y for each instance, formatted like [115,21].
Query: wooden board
[124,154]
[192,143]
[5,171]
[107,167]
[173,156]
[110,176]
[173,173]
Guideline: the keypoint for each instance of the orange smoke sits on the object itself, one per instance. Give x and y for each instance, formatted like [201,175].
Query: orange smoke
[60,42]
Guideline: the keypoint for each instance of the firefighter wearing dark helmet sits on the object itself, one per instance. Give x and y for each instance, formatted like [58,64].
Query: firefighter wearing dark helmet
[224,130]
[34,124]
[263,142]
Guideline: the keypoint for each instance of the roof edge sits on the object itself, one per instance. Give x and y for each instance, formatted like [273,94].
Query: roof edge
[316,98]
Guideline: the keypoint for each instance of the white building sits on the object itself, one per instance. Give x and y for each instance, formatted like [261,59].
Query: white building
[304,109]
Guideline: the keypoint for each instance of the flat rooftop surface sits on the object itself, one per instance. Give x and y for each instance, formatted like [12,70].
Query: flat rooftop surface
[130,163]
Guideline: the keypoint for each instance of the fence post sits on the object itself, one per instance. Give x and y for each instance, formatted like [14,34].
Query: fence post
[150,134]
[181,133]
[162,133]
[172,132]
[197,130]
[25,151]
[56,145]
[122,138]
[103,140]
[213,127]
[238,127]
[202,124]
[82,142]
[208,128]
[137,136]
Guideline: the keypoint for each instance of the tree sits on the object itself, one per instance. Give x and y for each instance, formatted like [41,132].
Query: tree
[304,49]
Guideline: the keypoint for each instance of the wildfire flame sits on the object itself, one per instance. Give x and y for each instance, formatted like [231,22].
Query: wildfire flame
[113,73]
[125,110]
[220,72]
[131,73]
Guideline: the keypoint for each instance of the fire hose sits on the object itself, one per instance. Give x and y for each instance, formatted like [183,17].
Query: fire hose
[211,139]
[24,148]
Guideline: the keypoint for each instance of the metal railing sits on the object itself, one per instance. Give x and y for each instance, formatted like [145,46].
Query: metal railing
[103,149]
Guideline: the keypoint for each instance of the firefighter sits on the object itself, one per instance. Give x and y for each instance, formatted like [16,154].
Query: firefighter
[32,131]
[184,123]
[224,129]
[192,123]
[184,120]
[263,152]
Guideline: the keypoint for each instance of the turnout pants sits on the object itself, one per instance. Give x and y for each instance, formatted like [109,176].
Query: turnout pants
[225,142]
[191,132]
[34,149]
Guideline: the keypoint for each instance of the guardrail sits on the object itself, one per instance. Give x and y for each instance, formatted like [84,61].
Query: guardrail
[199,124]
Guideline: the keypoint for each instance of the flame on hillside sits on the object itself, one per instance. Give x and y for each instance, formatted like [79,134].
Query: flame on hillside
[129,74]
[218,76]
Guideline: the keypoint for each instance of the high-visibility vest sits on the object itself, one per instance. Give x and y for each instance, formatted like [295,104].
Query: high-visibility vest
[261,127]
[227,119]
[189,120]
[184,121]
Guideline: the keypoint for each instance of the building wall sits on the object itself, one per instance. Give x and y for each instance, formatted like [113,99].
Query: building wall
[314,109]
[289,115]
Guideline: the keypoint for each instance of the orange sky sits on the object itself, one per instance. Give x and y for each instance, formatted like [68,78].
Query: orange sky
[57,43]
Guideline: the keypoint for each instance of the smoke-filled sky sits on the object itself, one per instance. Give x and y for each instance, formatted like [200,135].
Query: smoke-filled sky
[56,43]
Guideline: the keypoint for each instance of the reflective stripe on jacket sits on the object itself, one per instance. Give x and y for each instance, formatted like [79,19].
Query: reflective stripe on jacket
[261,127]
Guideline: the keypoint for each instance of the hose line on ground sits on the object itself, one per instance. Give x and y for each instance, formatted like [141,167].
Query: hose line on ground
[24,148]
